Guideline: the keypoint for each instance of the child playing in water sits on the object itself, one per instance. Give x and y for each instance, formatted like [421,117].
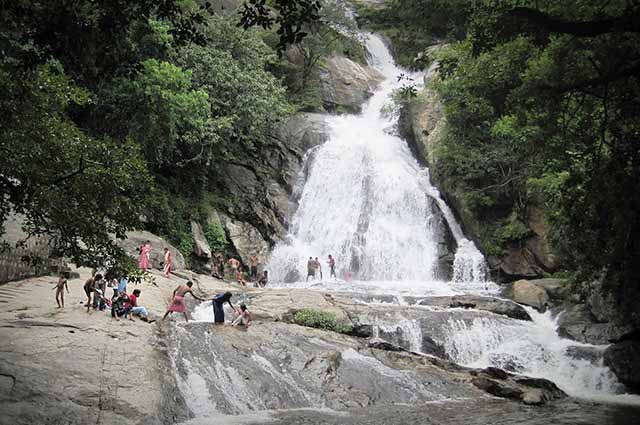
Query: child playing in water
[59,287]
[243,316]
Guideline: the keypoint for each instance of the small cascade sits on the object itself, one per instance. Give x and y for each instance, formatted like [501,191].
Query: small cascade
[405,333]
[529,348]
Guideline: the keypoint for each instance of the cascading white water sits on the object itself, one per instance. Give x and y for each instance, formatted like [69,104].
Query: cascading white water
[533,349]
[368,203]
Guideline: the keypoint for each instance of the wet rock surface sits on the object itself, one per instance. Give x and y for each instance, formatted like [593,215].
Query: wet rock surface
[624,359]
[345,85]
[492,304]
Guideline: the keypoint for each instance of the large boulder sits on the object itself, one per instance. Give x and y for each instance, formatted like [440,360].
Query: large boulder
[492,304]
[578,323]
[345,85]
[136,239]
[246,239]
[201,247]
[623,359]
[528,293]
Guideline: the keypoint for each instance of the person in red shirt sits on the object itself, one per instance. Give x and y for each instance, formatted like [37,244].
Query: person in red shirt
[135,309]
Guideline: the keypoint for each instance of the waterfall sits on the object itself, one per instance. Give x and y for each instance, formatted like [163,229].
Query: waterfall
[532,349]
[368,203]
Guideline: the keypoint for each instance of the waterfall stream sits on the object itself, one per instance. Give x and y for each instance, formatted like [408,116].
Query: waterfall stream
[368,203]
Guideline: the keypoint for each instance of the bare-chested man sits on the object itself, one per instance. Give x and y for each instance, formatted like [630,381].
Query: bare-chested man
[59,287]
[177,302]
[234,264]
[89,288]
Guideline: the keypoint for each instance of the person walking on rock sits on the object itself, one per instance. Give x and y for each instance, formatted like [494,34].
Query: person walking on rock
[59,287]
[218,306]
[311,269]
[332,266]
[178,305]
[168,262]
[145,252]
[89,287]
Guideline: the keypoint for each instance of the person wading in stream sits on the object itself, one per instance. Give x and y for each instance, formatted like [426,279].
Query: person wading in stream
[218,306]
[332,266]
[178,304]
[311,268]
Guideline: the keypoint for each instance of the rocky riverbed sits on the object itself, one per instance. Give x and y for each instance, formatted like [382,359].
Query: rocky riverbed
[73,367]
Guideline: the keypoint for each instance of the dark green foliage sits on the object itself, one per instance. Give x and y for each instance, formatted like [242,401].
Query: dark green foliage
[322,320]
[542,105]
[113,112]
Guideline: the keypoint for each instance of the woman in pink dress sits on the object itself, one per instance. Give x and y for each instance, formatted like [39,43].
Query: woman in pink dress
[168,262]
[143,261]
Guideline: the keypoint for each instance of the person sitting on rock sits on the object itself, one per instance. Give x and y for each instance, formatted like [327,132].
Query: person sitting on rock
[218,306]
[136,309]
[120,306]
[243,316]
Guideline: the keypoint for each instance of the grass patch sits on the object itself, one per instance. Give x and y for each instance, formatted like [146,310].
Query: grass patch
[321,320]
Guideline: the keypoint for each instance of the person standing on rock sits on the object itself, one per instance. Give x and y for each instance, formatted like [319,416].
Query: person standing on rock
[218,306]
[145,252]
[253,272]
[168,263]
[240,277]
[311,269]
[234,264]
[318,267]
[332,266]
[178,305]
[89,288]
[59,287]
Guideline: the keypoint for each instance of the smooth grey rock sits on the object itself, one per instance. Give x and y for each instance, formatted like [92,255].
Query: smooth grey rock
[576,322]
[492,304]
[345,85]
[528,293]
[200,245]
[624,360]
[136,239]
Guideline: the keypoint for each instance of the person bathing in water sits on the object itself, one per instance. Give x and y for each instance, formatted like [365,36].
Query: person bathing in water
[178,304]
[59,287]
[332,266]
[311,269]
[243,317]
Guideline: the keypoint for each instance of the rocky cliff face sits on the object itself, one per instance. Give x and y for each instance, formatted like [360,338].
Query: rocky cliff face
[422,123]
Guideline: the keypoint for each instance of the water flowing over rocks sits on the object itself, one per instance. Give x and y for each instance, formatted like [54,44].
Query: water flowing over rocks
[494,305]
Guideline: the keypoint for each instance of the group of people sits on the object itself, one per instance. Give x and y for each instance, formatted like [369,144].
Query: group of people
[315,268]
[178,305]
[237,270]
[121,303]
